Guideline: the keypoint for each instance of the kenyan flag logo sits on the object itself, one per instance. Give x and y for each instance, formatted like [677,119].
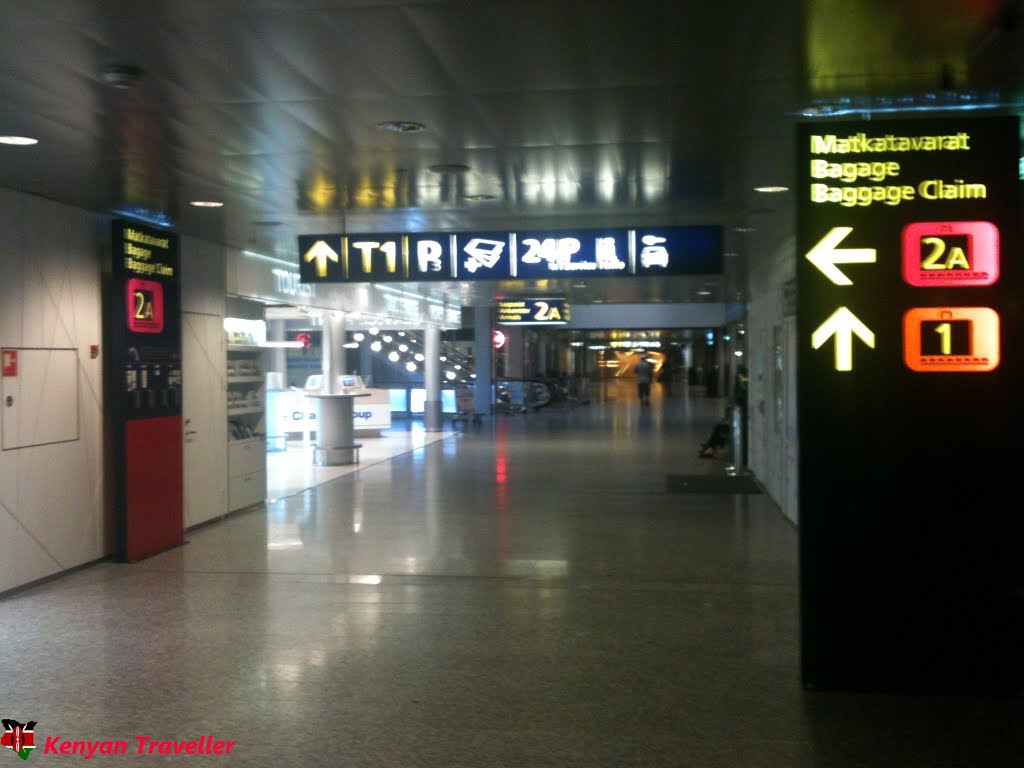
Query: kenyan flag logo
[19,737]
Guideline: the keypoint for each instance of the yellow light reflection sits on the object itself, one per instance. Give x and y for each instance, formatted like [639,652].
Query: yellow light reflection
[365,579]
[861,46]
[322,192]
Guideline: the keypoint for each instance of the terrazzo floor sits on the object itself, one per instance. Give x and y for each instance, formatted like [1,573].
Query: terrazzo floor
[523,593]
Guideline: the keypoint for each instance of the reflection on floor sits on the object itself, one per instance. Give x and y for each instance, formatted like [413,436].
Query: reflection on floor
[292,470]
[524,593]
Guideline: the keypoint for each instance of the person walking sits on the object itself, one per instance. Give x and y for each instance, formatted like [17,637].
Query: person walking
[644,376]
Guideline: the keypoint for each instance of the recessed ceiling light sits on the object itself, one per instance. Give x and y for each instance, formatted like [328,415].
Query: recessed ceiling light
[121,75]
[449,168]
[771,189]
[18,141]
[206,203]
[401,126]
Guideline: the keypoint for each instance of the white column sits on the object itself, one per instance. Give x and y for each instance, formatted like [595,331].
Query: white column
[482,348]
[332,352]
[278,362]
[432,417]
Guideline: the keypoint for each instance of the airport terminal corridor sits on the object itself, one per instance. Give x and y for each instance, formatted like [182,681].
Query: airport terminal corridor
[525,592]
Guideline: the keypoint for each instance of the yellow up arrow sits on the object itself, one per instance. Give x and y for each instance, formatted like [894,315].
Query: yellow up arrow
[825,255]
[321,252]
[843,324]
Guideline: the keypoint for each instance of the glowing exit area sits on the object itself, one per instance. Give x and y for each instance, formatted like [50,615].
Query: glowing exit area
[951,339]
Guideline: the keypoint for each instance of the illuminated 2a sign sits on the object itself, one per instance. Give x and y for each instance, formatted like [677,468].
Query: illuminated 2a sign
[939,254]
[145,306]
[533,312]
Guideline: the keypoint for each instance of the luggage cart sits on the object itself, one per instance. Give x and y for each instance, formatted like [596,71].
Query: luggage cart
[508,397]
[465,406]
[521,395]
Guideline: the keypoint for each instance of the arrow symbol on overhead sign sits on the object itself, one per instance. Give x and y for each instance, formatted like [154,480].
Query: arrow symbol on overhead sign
[825,255]
[843,324]
[321,253]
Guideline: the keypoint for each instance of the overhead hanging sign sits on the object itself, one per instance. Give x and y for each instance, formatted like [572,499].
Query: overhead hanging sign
[653,251]
[548,311]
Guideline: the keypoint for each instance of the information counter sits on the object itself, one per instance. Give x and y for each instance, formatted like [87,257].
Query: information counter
[372,414]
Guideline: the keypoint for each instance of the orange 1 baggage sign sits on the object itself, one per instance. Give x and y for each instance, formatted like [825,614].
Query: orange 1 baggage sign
[951,339]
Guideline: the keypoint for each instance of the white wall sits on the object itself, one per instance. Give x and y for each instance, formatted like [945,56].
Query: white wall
[772,351]
[655,315]
[204,406]
[52,511]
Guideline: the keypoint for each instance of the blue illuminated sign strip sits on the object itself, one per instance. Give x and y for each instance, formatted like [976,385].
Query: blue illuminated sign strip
[650,251]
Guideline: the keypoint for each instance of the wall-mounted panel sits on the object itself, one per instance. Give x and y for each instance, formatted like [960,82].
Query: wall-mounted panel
[39,396]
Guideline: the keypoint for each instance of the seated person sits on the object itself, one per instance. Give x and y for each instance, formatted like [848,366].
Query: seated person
[719,438]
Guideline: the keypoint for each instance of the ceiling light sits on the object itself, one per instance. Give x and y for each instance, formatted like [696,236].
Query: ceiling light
[393,357]
[771,189]
[121,75]
[401,126]
[206,203]
[482,198]
[410,367]
[449,168]
[18,141]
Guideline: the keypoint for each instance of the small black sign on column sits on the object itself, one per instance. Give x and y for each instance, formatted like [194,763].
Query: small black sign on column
[144,388]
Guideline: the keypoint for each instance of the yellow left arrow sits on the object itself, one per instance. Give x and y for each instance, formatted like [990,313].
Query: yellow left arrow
[826,254]
[843,324]
[321,253]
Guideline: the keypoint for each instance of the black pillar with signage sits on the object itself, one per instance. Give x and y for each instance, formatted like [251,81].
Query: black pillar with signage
[143,388]
[910,390]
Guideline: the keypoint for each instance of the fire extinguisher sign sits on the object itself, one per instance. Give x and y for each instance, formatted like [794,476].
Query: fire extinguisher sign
[10,363]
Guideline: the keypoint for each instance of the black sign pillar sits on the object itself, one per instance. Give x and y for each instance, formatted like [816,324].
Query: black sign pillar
[143,389]
[910,390]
